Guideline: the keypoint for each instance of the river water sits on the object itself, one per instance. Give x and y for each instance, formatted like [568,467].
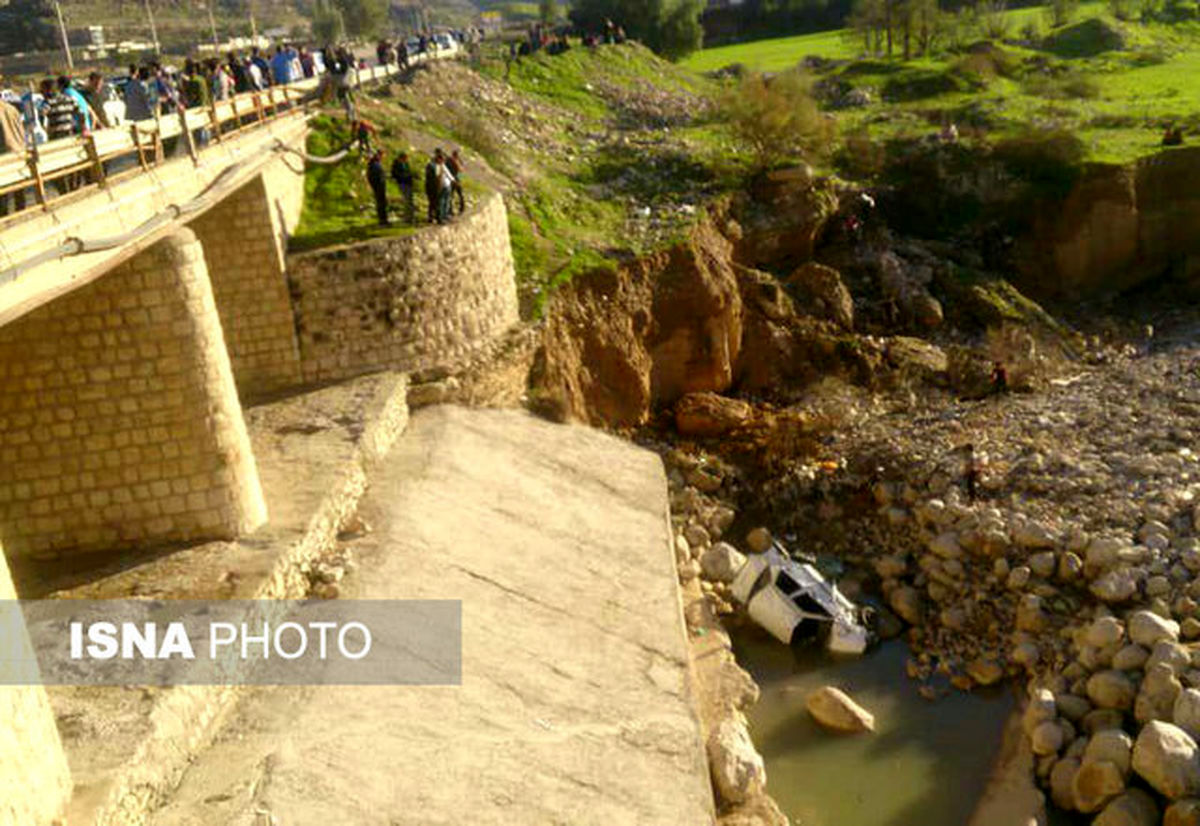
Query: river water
[927,762]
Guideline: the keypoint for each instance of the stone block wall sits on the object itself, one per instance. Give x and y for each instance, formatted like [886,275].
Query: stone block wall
[244,239]
[120,424]
[35,783]
[425,301]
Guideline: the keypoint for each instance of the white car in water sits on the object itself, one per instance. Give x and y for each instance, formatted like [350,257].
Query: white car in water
[793,602]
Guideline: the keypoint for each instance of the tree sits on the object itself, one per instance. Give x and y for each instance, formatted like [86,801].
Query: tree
[777,117]
[670,27]
[27,25]
[681,33]
[362,18]
[327,23]
[1061,12]
[867,21]
[548,10]
[993,18]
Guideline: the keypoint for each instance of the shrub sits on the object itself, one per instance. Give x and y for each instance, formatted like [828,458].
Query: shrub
[861,158]
[993,18]
[1068,87]
[1061,12]
[777,117]
[920,84]
[1048,161]
[1087,38]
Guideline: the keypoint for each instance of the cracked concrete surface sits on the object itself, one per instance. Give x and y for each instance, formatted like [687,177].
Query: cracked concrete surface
[577,704]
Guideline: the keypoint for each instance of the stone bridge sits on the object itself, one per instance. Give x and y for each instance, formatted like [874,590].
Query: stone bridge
[139,311]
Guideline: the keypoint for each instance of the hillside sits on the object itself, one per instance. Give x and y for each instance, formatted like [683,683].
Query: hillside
[601,154]
[1116,85]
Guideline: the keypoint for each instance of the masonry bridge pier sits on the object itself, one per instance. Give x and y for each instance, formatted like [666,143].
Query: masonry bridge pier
[137,314]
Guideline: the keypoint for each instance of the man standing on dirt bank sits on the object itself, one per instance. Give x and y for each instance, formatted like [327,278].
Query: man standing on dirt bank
[377,178]
[455,164]
[402,174]
[431,185]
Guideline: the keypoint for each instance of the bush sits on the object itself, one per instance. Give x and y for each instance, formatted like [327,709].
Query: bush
[1061,12]
[920,84]
[1068,87]
[669,27]
[1087,38]
[777,117]
[861,158]
[993,18]
[1048,161]
[985,63]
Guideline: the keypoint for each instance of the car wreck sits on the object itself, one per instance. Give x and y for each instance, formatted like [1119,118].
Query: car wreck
[793,602]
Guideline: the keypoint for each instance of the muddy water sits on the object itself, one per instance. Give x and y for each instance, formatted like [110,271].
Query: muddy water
[927,762]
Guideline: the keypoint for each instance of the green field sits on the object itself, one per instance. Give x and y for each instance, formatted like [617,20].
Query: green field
[774,55]
[1117,96]
[784,52]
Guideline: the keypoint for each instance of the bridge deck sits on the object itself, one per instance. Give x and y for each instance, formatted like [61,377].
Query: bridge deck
[576,704]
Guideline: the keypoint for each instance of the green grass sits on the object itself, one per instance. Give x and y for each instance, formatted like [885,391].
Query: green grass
[339,207]
[1117,100]
[571,80]
[785,52]
[774,55]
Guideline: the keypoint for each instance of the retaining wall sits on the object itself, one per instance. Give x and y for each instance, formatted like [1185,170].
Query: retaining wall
[425,301]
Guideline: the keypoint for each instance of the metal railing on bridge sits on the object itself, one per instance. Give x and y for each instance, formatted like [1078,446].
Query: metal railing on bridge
[61,167]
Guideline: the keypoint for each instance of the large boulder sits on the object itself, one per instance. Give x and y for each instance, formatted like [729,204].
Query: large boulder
[1166,758]
[1134,808]
[708,415]
[1183,813]
[906,287]
[1104,632]
[835,710]
[917,358]
[1186,713]
[1146,628]
[1156,698]
[737,769]
[1095,784]
[1062,782]
[1111,689]
[906,602]
[1116,586]
[721,562]
[823,292]
[1112,745]
[617,343]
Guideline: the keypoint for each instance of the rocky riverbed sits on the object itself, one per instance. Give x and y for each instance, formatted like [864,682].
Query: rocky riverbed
[1073,571]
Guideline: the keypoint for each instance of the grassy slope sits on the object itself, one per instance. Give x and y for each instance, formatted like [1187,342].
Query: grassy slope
[1120,105]
[569,215]
[586,173]
[608,152]
[784,52]
[339,207]
[774,55]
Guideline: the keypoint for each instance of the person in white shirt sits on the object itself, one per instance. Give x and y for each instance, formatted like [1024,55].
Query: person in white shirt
[446,181]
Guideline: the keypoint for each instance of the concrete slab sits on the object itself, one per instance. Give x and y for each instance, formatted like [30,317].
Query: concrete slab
[577,702]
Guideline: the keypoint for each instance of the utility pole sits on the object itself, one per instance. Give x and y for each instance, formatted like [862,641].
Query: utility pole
[253,25]
[62,30]
[153,30]
[212,24]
